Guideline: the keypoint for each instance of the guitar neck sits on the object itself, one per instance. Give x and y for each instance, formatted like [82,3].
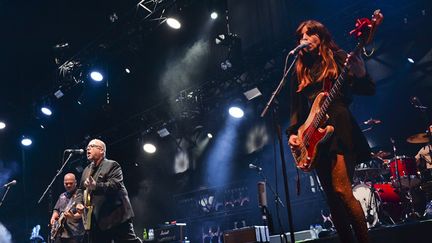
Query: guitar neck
[334,91]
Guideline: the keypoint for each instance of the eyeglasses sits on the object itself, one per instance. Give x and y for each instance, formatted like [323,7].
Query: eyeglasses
[93,146]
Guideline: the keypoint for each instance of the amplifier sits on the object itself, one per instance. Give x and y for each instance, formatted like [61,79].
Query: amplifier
[250,234]
[170,233]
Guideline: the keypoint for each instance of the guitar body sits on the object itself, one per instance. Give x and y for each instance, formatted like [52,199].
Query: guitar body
[59,224]
[88,210]
[55,230]
[305,154]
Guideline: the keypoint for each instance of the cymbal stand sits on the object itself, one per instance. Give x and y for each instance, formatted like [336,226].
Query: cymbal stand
[398,180]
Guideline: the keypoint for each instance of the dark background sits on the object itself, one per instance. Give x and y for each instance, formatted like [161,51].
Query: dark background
[176,82]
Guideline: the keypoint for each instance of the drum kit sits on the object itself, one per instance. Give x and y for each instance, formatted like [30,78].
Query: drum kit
[394,188]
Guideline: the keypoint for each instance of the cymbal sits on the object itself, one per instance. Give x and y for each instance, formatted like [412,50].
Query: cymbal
[418,138]
[380,154]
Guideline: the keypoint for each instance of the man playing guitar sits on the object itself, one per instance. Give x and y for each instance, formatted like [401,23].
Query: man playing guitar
[66,223]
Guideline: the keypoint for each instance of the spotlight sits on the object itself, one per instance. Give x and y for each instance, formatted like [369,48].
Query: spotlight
[213,15]
[46,110]
[410,60]
[209,135]
[173,23]
[219,39]
[127,70]
[236,112]
[96,76]
[26,141]
[149,148]
[2,125]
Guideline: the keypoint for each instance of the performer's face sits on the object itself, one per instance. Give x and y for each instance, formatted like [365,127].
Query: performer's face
[69,182]
[312,38]
[95,151]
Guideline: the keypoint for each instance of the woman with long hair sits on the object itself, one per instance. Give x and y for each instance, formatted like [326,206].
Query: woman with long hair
[317,68]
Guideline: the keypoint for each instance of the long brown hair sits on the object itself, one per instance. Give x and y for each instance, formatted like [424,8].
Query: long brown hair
[326,49]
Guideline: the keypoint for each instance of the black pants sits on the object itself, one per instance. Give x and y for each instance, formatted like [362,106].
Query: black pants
[123,232]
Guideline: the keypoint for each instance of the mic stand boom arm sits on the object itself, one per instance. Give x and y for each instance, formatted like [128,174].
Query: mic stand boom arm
[55,177]
[4,196]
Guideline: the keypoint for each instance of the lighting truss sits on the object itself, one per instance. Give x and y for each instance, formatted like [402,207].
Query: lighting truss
[154,8]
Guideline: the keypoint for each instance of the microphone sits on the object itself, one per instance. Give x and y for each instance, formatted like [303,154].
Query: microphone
[299,47]
[11,183]
[76,151]
[372,121]
[252,166]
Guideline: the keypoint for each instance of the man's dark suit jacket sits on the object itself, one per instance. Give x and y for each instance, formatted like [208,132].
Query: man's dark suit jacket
[110,200]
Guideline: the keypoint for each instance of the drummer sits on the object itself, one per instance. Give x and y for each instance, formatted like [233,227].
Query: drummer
[424,161]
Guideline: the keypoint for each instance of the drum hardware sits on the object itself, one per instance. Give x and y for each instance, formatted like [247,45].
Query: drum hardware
[412,214]
[369,202]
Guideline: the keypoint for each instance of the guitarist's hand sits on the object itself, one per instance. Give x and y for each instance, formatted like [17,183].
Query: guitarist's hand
[294,141]
[356,65]
[53,220]
[90,183]
[68,215]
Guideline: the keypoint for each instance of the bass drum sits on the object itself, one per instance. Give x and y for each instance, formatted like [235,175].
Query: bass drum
[369,202]
[391,202]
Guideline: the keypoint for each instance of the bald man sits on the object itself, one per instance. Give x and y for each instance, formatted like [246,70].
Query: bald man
[112,210]
[73,229]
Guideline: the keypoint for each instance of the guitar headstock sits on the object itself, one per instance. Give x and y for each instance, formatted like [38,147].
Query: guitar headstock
[365,28]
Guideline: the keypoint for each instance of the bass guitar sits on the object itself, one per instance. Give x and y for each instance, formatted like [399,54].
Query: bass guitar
[312,134]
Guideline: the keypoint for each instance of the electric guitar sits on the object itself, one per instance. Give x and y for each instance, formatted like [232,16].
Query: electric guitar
[311,134]
[59,223]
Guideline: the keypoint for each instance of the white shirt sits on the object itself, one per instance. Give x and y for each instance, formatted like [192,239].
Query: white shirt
[425,153]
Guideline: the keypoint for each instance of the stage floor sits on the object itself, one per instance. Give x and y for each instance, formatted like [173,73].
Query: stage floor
[414,231]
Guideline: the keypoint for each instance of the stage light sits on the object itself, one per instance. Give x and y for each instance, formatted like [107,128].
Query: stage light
[163,132]
[410,60]
[58,94]
[96,76]
[173,23]
[220,39]
[213,15]
[46,110]
[209,135]
[236,112]
[252,93]
[26,141]
[149,148]
[2,125]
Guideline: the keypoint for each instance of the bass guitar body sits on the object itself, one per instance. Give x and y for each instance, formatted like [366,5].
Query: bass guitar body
[314,134]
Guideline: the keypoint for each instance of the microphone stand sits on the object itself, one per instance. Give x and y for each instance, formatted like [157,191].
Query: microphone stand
[4,195]
[275,194]
[281,149]
[55,177]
